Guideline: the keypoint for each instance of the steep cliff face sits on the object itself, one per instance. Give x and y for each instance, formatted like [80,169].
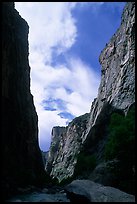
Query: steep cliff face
[22,161]
[65,146]
[58,140]
[116,92]
[117,87]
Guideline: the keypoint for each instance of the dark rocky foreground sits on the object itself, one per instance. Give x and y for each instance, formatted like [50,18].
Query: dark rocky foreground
[33,194]
[78,191]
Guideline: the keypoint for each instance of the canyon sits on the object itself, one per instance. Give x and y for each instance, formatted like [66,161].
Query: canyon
[58,176]
[116,93]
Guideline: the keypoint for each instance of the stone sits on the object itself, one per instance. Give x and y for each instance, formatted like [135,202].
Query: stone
[40,197]
[45,190]
[21,156]
[57,139]
[90,191]
[117,87]
[65,145]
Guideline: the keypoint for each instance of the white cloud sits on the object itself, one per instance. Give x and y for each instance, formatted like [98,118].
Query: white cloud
[53,83]
[49,23]
[83,82]
[53,29]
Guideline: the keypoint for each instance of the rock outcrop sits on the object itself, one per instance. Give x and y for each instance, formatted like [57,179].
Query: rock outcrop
[21,157]
[116,93]
[89,191]
[117,87]
[65,146]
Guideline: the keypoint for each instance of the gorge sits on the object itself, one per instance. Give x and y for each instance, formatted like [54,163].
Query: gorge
[86,139]
[89,133]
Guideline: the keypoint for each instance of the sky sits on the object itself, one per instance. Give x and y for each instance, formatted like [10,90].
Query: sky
[65,41]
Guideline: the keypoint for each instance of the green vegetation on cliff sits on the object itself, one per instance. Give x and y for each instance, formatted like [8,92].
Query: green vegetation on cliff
[121,146]
[85,163]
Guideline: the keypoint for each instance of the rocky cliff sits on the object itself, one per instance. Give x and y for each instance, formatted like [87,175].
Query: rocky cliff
[65,146]
[116,93]
[117,85]
[22,162]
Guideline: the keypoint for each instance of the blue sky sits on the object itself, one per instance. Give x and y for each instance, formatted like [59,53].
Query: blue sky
[65,41]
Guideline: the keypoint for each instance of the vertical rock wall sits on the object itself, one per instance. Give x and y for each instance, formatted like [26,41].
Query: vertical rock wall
[117,87]
[21,157]
[65,146]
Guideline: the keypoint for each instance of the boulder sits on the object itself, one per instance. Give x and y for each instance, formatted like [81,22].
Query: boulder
[89,191]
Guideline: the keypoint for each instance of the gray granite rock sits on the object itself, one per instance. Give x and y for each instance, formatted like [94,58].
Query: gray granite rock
[65,146]
[117,59]
[93,192]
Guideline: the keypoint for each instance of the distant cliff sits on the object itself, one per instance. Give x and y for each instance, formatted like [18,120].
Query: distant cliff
[65,146]
[21,157]
[116,94]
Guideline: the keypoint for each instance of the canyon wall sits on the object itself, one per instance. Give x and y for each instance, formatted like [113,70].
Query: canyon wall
[116,93]
[21,157]
[65,146]
[117,87]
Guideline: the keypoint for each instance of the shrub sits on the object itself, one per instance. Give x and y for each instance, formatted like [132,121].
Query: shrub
[121,136]
[121,146]
[84,163]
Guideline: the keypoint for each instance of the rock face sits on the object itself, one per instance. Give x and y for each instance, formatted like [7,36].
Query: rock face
[116,93]
[58,138]
[65,146]
[89,191]
[117,86]
[44,156]
[22,161]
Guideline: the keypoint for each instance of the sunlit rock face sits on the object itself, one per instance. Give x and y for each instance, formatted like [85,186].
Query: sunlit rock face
[116,92]
[65,146]
[22,161]
[117,87]
[58,140]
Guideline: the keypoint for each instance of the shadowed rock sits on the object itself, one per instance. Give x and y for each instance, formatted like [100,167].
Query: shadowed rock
[21,157]
[90,191]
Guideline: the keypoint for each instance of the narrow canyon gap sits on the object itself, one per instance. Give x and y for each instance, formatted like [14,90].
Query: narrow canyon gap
[22,162]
